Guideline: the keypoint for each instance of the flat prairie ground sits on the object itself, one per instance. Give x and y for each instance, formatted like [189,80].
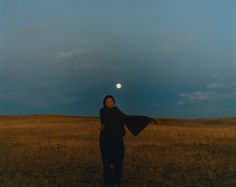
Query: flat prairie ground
[57,150]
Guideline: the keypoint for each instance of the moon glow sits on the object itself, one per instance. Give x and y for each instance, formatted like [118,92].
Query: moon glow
[118,85]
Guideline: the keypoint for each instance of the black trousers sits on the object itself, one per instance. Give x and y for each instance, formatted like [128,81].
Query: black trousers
[112,152]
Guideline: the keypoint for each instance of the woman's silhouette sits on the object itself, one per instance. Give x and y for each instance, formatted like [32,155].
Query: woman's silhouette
[111,143]
[111,138]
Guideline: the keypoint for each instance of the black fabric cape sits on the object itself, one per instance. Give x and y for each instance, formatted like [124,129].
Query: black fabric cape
[114,120]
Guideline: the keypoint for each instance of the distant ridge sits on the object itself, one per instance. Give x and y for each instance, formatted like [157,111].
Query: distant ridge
[48,115]
[160,121]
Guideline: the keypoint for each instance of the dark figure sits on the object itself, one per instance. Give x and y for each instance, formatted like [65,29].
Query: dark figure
[111,141]
[111,138]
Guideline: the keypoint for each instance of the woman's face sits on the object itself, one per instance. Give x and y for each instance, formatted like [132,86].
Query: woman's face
[109,103]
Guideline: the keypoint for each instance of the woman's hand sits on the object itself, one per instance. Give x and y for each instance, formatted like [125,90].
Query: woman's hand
[102,126]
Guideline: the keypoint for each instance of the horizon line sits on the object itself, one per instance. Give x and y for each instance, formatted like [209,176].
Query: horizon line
[92,116]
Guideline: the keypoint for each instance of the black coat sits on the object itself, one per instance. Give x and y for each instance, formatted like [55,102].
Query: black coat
[114,120]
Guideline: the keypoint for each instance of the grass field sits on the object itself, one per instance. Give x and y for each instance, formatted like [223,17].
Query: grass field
[56,150]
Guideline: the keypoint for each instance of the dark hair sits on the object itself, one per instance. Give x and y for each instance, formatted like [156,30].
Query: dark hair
[108,96]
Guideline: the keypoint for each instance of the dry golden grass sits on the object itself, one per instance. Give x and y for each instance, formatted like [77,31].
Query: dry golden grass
[56,150]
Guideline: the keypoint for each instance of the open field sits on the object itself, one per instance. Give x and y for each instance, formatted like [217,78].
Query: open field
[57,150]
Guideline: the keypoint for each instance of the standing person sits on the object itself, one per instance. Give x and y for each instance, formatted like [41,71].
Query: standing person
[111,138]
[111,141]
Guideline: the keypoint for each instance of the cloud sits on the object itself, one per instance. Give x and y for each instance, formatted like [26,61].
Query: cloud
[71,55]
[168,49]
[173,48]
[224,82]
[218,77]
[197,96]
[179,103]
[215,85]
[215,75]
[194,97]
[184,41]
[31,29]
[221,89]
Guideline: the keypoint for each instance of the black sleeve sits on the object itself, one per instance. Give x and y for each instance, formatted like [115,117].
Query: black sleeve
[102,117]
[121,115]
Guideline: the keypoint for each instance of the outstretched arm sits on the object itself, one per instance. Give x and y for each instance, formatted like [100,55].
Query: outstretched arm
[121,113]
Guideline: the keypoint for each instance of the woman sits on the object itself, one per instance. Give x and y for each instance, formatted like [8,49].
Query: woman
[111,141]
[111,138]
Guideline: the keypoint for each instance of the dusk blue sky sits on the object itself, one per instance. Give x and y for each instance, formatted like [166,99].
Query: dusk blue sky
[174,58]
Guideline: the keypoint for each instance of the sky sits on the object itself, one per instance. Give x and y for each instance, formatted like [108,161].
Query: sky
[174,58]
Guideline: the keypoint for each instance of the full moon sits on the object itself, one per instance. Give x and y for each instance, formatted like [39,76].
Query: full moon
[118,85]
